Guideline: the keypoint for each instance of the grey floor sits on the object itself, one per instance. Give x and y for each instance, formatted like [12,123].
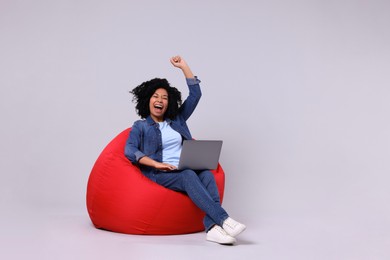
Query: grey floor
[65,234]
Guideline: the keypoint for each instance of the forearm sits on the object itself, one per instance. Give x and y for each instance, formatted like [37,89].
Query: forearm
[187,72]
[147,161]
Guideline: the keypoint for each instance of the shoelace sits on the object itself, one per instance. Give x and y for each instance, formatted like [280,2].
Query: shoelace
[221,231]
[229,224]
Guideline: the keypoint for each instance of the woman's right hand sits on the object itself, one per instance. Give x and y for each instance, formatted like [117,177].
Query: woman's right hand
[158,165]
[164,166]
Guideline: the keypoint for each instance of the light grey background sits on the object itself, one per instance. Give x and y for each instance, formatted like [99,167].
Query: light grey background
[298,90]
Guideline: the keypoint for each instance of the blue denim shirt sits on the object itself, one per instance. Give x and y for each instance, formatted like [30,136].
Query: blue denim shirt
[145,136]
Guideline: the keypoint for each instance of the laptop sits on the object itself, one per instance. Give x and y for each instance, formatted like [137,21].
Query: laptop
[200,154]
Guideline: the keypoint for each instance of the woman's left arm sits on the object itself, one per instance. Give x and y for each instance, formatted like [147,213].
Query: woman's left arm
[180,63]
[195,93]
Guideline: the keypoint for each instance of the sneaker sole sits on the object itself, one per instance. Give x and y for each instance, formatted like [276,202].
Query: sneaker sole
[221,243]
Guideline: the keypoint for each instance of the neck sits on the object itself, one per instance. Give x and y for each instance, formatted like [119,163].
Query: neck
[157,119]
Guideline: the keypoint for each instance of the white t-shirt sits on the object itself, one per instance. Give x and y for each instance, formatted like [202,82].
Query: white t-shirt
[171,142]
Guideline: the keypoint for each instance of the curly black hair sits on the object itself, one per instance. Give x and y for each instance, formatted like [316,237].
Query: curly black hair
[144,92]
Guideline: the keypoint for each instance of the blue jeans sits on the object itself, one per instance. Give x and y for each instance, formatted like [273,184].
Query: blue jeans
[202,189]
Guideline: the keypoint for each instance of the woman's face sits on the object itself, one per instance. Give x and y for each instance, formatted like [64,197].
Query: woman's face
[158,104]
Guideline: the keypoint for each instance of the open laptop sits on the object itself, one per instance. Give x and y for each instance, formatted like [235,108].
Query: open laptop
[200,154]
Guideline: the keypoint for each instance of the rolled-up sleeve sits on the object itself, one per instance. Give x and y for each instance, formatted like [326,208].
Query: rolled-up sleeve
[192,81]
[193,98]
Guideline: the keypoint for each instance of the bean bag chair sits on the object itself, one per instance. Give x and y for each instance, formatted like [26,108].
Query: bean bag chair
[121,199]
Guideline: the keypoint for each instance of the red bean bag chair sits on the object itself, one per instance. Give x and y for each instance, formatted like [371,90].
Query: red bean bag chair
[121,199]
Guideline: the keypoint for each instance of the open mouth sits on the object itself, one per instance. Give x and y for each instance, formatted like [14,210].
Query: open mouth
[158,107]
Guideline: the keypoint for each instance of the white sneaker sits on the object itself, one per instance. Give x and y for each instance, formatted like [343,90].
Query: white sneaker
[218,235]
[232,227]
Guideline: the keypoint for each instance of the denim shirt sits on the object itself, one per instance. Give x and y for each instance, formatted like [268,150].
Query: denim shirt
[145,136]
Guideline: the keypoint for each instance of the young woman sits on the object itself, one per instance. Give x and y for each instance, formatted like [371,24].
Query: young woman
[154,144]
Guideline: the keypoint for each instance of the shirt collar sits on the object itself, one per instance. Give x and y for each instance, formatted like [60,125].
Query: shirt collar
[150,120]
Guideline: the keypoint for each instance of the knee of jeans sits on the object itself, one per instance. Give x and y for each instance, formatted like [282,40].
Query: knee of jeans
[206,176]
[189,177]
[187,174]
